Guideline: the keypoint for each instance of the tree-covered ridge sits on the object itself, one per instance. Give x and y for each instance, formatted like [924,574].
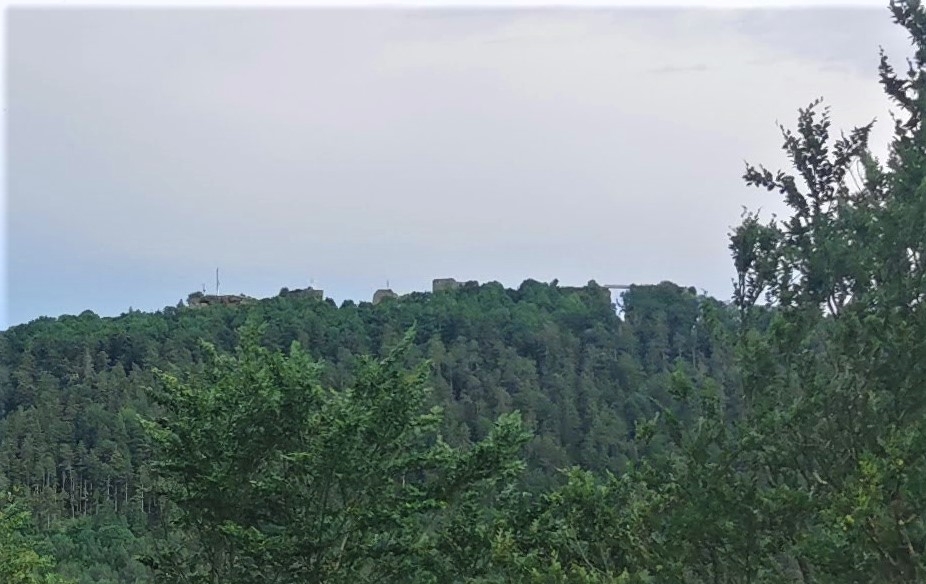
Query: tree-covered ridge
[74,387]
[491,350]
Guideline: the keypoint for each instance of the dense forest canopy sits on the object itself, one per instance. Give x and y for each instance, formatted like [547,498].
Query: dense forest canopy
[485,434]
[77,390]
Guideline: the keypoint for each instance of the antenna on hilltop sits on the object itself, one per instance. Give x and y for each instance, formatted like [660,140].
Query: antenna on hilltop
[387,284]
[216,281]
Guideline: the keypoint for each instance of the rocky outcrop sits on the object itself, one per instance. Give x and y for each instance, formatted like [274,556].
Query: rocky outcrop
[200,300]
[383,294]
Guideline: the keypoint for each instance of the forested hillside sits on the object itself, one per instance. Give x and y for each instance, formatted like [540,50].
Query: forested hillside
[489,435]
[74,387]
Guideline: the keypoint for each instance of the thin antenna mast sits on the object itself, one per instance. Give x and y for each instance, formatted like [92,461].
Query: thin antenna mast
[216,281]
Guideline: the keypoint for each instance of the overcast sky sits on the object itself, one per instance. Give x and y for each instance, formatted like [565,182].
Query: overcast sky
[348,148]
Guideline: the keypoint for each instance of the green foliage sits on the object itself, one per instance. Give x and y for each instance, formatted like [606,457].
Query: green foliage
[828,448]
[277,478]
[21,562]
[778,439]
[72,390]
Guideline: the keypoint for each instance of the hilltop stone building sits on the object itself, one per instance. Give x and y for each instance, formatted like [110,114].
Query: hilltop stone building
[383,294]
[442,284]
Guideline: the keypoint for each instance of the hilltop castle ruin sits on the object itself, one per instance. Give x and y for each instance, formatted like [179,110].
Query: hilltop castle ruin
[438,285]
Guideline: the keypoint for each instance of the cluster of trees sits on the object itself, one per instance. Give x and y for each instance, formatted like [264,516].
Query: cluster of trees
[494,435]
[75,391]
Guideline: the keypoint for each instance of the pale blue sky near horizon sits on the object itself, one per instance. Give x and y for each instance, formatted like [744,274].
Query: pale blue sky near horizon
[348,148]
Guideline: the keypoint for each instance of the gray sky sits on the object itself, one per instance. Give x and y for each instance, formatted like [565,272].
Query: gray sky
[147,148]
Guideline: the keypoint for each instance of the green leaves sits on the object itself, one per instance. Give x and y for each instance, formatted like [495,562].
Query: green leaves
[832,389]
[276,477]
[20,562]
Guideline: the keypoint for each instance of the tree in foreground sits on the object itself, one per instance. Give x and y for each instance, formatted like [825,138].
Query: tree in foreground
[20,562]
[835,389]
[274,478]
